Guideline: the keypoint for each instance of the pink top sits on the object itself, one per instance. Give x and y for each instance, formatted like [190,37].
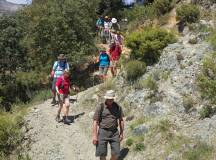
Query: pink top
[63,85]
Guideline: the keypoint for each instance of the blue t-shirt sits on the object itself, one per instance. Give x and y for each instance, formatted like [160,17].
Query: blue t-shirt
[59,67]
[104,60]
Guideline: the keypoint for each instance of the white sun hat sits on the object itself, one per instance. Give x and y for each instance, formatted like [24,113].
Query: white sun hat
[110,94]
[114,20]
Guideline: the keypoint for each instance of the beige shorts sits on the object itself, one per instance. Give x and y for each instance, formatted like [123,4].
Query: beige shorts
[63,98]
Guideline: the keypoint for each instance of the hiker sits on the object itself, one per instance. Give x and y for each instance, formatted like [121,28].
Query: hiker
[107,27]
[119,39]
[58,69]
[104,62]
[115,53]
[63,90]
[99,25]
[108,116]
[115,25]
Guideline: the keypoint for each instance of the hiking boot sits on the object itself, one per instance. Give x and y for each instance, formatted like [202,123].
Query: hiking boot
[53,101]
[66,120]
[58,119]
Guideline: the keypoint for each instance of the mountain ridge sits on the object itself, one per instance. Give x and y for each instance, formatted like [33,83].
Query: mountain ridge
[8,7]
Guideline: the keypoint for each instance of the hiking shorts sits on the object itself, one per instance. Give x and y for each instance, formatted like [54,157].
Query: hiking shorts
[63,98]
[103,70]
[54,84]
[105,137]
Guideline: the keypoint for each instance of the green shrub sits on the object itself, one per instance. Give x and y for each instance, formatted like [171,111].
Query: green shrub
[129,142]
[139,147]
[206,80]
[163,6]
[148,43]
[206,112]
[148,83]
[212,39]
[188,103]
[165,75]
[10,134]
[135,69]
[137,122]
[201,151]
[188,13]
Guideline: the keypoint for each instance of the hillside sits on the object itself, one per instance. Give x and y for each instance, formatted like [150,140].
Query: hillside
[6,7]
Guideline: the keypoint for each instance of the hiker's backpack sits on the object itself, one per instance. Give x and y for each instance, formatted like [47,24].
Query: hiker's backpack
[60,67]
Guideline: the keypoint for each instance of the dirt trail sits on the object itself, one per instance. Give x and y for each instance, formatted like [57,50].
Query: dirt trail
[56,141]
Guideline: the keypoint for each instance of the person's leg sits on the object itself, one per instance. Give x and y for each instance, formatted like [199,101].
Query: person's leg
[105,70]
[66,110]
[115,146]
[54,91]
[60,99]
[101,147]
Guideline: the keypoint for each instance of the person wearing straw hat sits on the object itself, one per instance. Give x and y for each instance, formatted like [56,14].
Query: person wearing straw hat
[57,71]
[115,25]
[107,118]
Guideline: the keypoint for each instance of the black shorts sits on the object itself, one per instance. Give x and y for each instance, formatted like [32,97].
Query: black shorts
[105,137]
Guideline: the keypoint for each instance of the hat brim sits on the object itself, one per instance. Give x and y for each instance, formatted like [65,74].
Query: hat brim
[114,21]
[107,97]
[61,58]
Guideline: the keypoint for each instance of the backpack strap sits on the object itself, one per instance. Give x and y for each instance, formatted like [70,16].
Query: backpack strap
[101,112]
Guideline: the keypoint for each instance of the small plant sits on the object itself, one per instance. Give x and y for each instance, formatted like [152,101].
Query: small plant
[163,6]
[139,147]
[135,69]
[206,80]
[188,13]
[138,122]
[206,112]
[201,151]
[188,103]
[150,83]
[164,75]
[108,85]
[129,142]
[179,57]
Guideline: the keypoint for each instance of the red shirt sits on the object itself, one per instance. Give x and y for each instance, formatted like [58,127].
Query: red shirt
[63,85]
[115,52]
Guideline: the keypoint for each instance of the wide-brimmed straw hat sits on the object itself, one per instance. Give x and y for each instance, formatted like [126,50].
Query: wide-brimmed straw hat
[102,49]
[110,94]
[61,57]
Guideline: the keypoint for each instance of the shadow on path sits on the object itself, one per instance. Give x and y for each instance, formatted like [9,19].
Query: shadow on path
[73,117]
[123,153]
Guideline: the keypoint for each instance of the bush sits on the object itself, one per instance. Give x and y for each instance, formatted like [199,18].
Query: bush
[138,122]
[135,69]
[163,6]
[206,112]
[129,142]
[148,83]
[188,103]
[139,147]
[206,80]
[10,134]
[212,39]
[199,152]
[148,43]
[188,13]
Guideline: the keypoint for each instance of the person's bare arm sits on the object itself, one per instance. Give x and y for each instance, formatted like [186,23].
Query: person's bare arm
[95,132]
[121,126]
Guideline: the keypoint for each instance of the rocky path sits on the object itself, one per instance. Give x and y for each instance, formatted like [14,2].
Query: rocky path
[56,141]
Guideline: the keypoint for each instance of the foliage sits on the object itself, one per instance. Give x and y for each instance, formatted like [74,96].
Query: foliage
[129,142]
[135,69]
[188,102]
[148,83]
[212,39]
[163,6]
[110,7]
[10,134]
[206,112]
[206,80]
[199,152]
[188,13]
[139,147]
[148,43]
[138,122]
